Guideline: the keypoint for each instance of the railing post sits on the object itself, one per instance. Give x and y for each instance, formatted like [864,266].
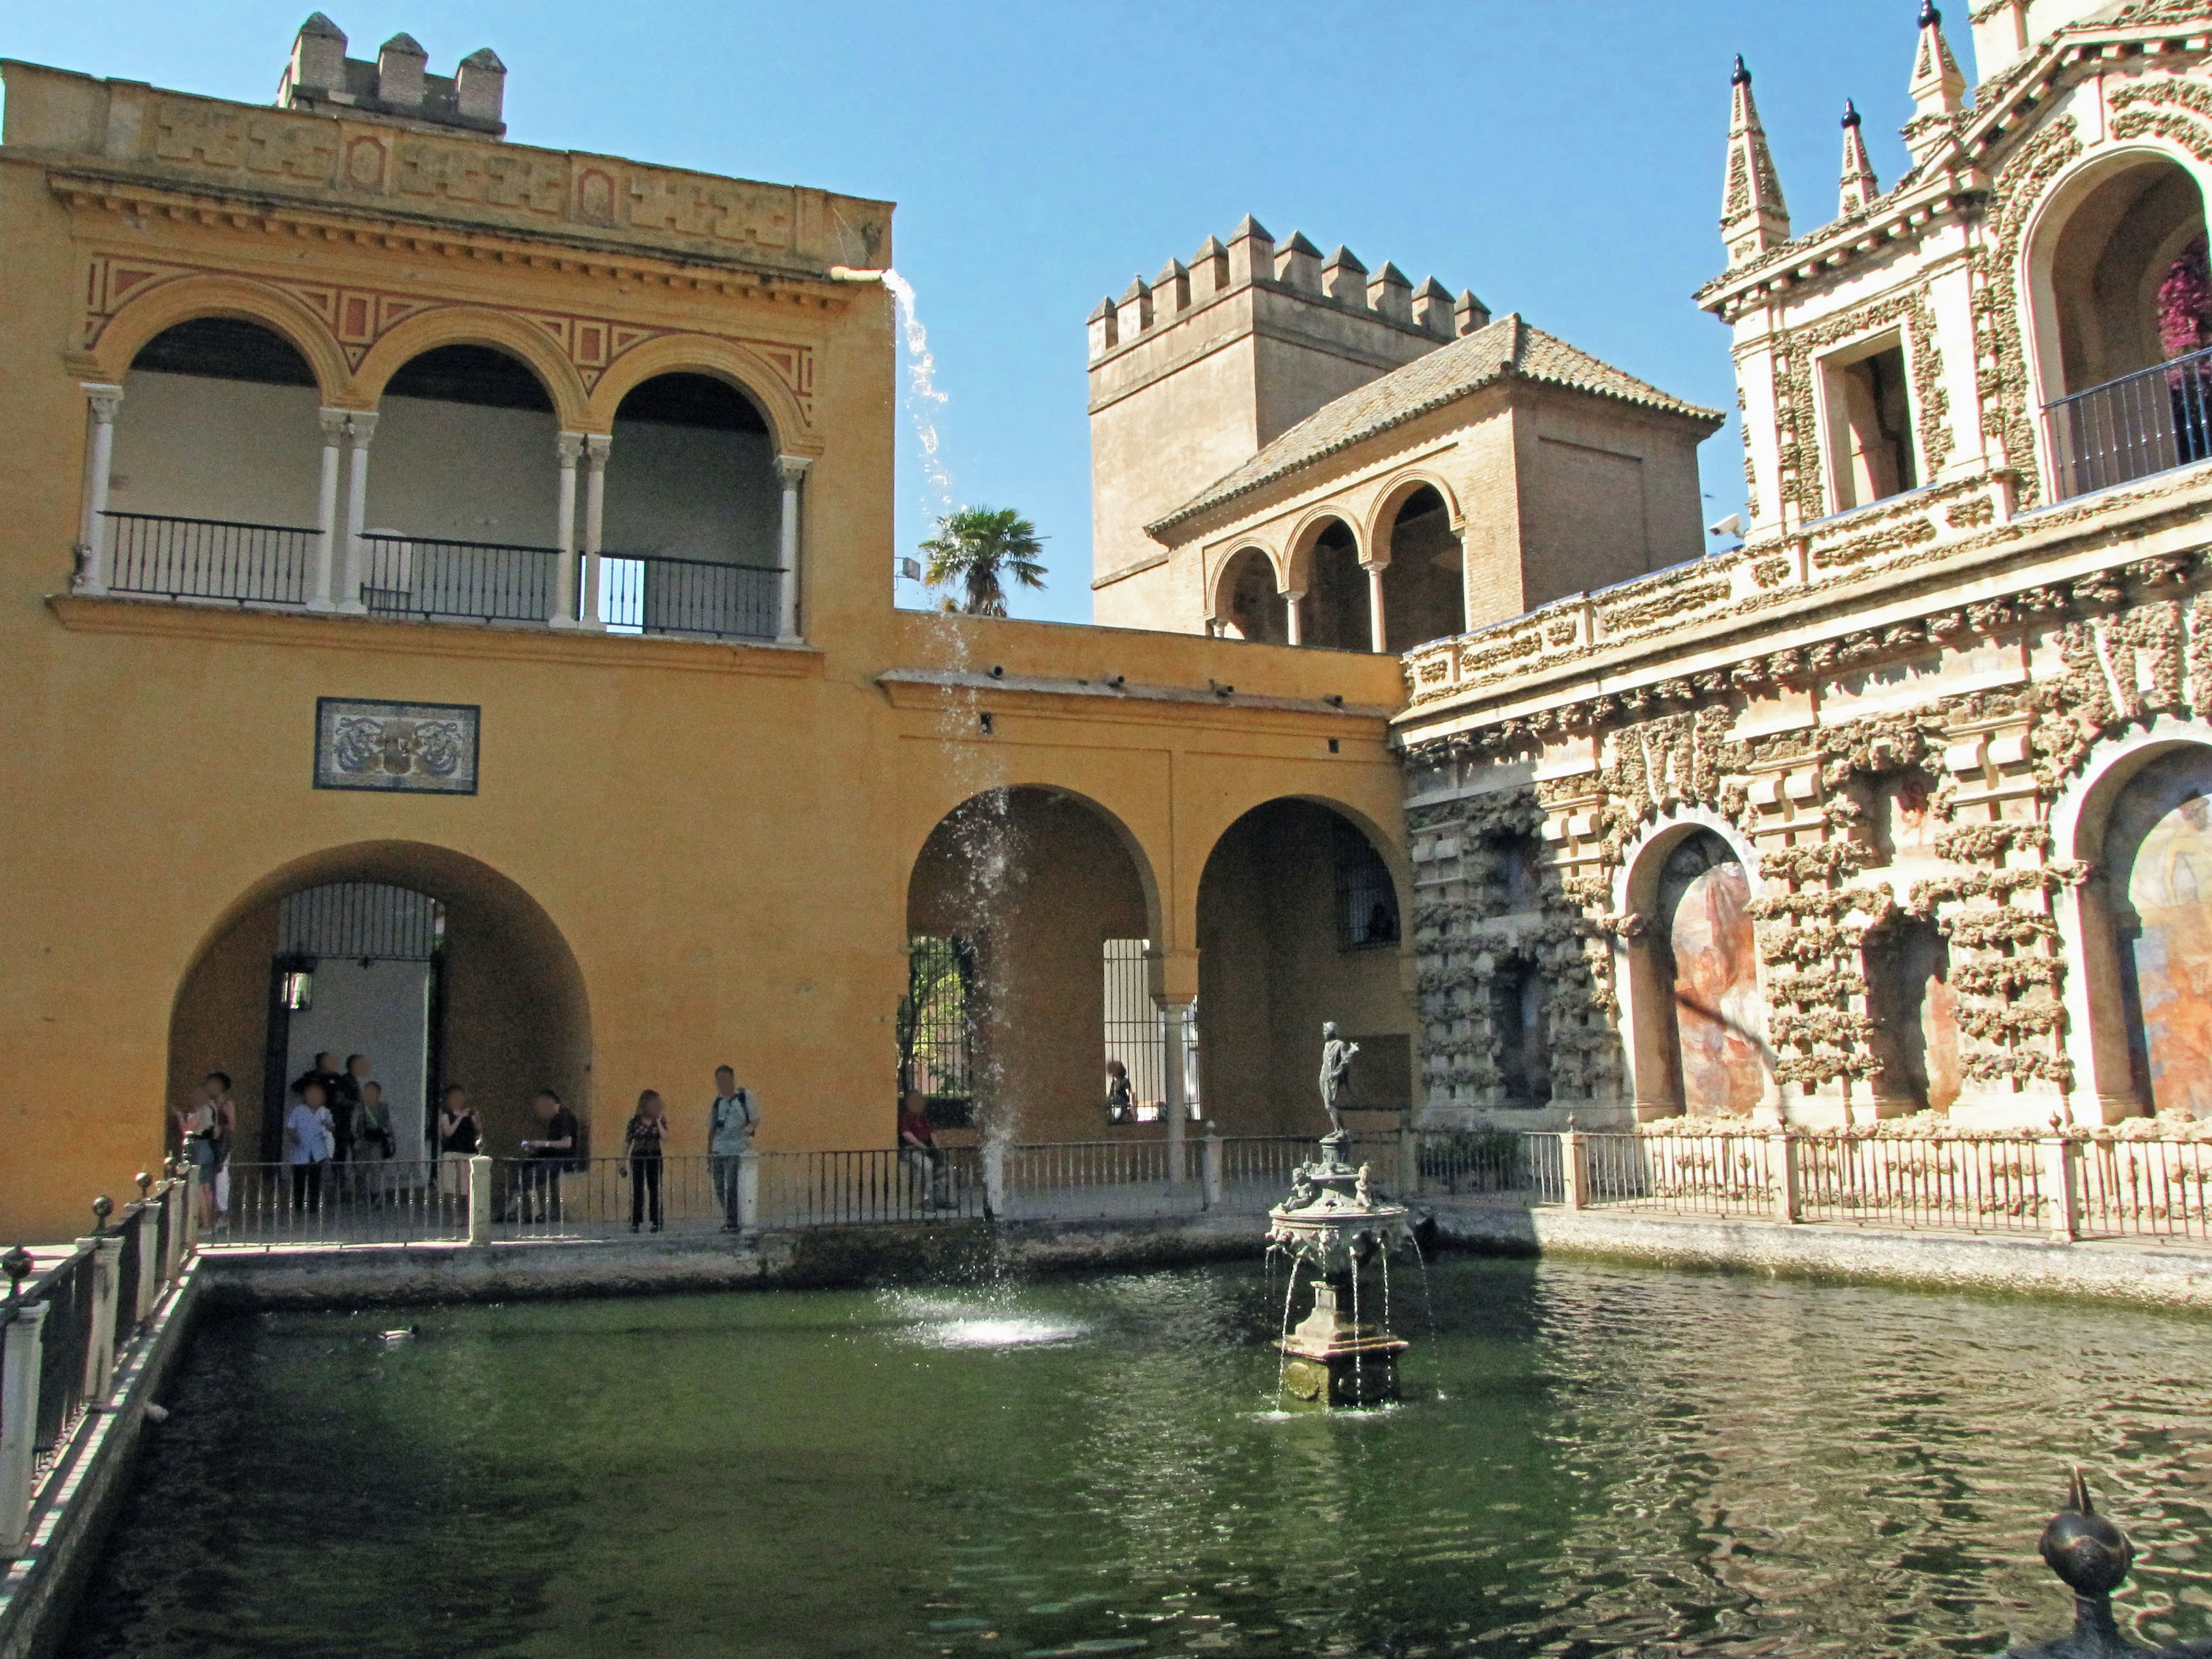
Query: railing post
[100,1341]
[479,1199]
[994,1177]
[1409,1160]
[21,1362]
[1574,1167]
[1210,1167]
[181,1196]
[149,1270]
[2062,1188]
[748,1190]
[191,1219]
[1782,1159]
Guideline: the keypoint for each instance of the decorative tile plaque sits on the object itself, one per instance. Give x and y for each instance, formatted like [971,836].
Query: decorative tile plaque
[422,748]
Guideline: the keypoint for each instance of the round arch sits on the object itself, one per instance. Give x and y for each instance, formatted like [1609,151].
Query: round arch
[1295,566]
[1383,516]
[2099,1042]
[1643,958]
[185,299]
[475,325]
[519,1015]
[1117,826]
[1230,576]
[2049,223]
[724,360]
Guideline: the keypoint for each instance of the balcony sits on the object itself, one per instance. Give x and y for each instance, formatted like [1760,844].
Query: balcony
[2149,421]
[153,556]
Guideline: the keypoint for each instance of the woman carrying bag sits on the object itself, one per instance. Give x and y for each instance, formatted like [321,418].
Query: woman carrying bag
[641,1153]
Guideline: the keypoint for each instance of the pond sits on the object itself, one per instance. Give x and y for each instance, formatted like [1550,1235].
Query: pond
[1591,1460]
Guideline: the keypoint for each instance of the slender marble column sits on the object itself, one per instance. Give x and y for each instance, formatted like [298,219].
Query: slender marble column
[790,471]
[568,446]
[1375,608]
[361,426]
[596,446]
[100,459]
[1173,1012]
[324,578]
[1290,598]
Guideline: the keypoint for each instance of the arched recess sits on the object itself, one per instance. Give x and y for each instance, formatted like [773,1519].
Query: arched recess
[1017,891]
[216,463]
[789,431]
[1692,1010]
[1424,582]
[187,298]
[1301,918]
[1324,566]
[466,454]
[1248,599]
[471,325]
[2138,991]
[516,1016]
[2116,272]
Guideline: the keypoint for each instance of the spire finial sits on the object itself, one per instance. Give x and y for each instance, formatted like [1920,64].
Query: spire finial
[1938,86]
[1754,216]
[1860,189]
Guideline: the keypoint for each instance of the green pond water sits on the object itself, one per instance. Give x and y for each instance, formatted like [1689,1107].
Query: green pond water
[1590,1460]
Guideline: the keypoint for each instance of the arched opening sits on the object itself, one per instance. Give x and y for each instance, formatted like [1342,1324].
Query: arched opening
[1252,607]
[1333,614]
[2156,876]
[1011,907]
[2127,309]
[1696,984]
[1298,922]
[436,968]
[212,487]
[462,502]
[1907,965]
[1424,589]
[693,511]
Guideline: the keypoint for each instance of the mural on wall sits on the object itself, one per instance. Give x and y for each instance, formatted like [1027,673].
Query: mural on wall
[2170,889]
[1716,981]
[422,748]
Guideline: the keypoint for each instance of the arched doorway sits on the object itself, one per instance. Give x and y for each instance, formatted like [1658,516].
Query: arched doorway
[461,507]
[693,513]
[1700,1047]
[432,963]
[2125,311]
[1251,606]
[1020,908]
[1424,590]
[1298,922]
[2156,874]
[212,491]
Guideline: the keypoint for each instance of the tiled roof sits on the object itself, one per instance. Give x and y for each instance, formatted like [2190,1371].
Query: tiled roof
[1442,376]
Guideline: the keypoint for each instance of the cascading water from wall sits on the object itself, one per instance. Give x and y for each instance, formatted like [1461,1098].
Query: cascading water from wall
[988,839]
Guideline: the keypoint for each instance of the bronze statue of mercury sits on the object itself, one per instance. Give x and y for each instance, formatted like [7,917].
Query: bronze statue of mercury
[1336,1055]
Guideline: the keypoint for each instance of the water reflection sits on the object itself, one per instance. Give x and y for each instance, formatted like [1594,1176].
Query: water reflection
[1591,1462]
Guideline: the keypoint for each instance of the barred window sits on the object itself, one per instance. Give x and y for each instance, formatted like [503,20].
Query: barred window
[360,921]
[936,1028]
[1366,897]
[1137,1040]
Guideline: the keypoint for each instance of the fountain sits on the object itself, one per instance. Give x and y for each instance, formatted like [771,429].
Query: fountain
[1336,1224]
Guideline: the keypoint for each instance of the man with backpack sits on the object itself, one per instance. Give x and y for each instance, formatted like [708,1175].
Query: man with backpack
[731,1121]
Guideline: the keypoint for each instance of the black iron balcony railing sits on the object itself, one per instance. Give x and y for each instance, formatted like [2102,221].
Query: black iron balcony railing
[2145,422]
[647,594]
[209,559]
[478,581]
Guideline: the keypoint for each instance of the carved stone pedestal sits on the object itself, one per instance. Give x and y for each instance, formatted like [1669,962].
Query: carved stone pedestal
[1334,1361]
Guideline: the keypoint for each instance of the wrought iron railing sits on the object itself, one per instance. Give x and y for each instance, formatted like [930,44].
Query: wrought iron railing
[2145,422]
[383,1202]
[476,581]
[647,594]
[209,559]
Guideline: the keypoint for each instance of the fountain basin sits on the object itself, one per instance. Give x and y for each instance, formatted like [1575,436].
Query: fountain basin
[1336,1225]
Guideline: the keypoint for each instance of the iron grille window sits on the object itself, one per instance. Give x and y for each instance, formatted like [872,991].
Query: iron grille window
[1137,1038]
[1366,897]
[360,920]
[937,1028]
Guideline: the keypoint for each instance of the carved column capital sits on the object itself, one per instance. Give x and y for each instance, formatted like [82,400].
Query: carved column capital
[333,423]
[791,469]
[361,426]
[570,447]
[104,398]
[596,446]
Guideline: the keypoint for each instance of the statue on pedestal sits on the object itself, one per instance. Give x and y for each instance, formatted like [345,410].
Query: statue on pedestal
[1336,1056]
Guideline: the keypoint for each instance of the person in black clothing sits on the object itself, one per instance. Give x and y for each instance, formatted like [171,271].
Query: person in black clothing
[458,1140]
[641,1155]
[546,1157]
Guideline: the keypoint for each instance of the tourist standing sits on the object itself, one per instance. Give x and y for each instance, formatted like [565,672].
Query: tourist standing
[731,1121]
[641,1153]
[195,1135]
[918,1149]
[546,1157]
[327,1072]
[215,1086]
[459,1139]
[373,1141]
[310,1135]
[345,1106]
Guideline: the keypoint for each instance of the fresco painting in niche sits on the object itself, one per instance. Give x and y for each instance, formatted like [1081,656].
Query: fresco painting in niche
[1715,986]
[2170,889]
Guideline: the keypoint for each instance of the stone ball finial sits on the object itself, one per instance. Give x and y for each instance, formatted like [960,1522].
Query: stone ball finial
[145,1182]
[17,1264]
[102,1207]
[2090,1555]
[1742,75]
[1929,17]
[1850,114]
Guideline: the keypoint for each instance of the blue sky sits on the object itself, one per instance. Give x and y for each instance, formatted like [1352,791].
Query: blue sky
[1563,161]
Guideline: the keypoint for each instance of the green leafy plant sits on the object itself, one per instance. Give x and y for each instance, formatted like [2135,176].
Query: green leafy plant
[977,549]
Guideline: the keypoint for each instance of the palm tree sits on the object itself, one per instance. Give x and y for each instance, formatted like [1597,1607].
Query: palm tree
[977,545]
